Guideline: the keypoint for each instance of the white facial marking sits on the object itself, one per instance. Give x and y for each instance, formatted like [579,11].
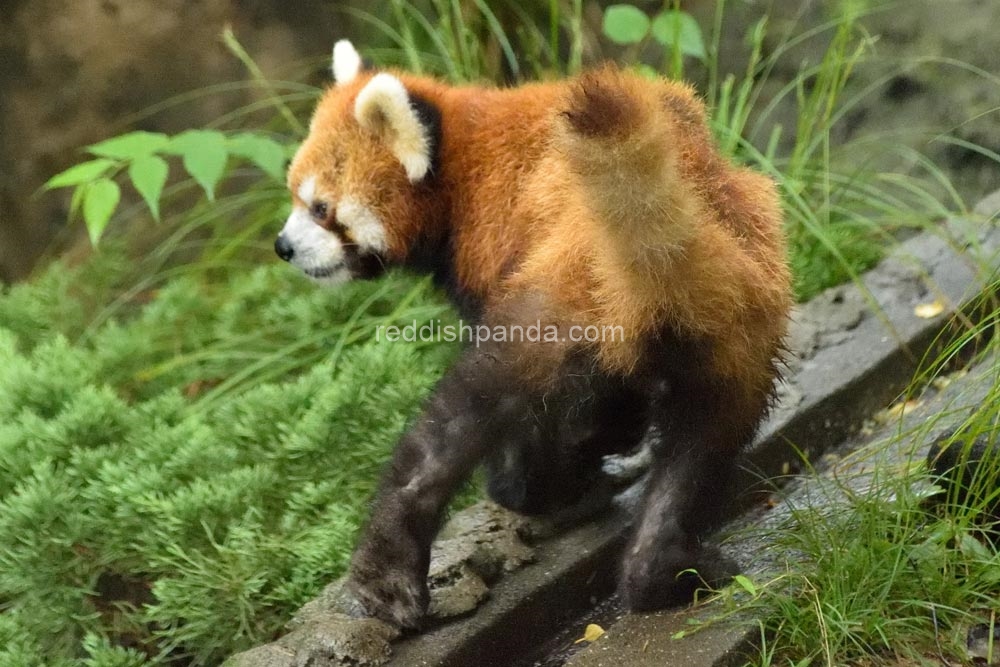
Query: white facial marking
[307,191]
[365,228]
[385,100]
[346,62]
[317,252]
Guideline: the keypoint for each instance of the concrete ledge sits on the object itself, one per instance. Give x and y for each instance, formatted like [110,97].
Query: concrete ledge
[642,640]
[855,350]
[572,571]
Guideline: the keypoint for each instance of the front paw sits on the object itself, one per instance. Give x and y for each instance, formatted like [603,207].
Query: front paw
[390,591]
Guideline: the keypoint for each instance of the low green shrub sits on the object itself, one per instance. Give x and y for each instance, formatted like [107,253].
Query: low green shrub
[139,510]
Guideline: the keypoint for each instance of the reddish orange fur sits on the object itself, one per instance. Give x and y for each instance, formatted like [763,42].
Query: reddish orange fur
[678,236]
[595,202]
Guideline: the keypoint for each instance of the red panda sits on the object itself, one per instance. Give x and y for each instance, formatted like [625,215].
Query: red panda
[598,201]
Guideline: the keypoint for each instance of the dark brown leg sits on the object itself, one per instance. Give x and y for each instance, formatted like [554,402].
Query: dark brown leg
[467,412]
[478,410]
[556,459]
[704,426]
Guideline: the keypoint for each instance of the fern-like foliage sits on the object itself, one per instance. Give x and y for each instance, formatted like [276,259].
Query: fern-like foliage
[153,511]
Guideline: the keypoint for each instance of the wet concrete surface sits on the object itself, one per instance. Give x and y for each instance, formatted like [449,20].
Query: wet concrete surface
[641,640]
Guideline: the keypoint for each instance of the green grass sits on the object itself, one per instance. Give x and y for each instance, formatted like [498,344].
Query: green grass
[879,575]
[189,432]
[145,452]
[883,563]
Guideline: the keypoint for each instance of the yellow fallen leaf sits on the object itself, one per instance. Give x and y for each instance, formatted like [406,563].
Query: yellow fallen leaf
[592,633]
[927,311]
[898,410]
[942,382]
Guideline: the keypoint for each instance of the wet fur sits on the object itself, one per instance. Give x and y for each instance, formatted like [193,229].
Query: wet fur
[595,201]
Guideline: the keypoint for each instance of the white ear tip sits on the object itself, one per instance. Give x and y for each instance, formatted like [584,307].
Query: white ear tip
[384,102]
[387,84]
[346,62]
[383,90]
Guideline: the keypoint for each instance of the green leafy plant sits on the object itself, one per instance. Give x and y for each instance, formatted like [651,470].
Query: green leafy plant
[156,341]
[142,156]
[881,577]
[677,33]
[889,563]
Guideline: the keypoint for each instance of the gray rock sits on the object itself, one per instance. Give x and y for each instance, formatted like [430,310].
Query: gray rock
[981,642]
[332,600]
[989,207]
[337,639]
[332,630]
[455,587]
[476,547]
[967,465]
[269,655]
[488,538]
[486,517]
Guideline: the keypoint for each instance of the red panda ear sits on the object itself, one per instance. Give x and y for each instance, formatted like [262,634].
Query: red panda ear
[383,107]
[346,62]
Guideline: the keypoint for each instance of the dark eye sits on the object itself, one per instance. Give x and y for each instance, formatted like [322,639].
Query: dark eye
[319,210]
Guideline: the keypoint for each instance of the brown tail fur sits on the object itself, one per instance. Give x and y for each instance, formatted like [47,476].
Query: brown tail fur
[623,141]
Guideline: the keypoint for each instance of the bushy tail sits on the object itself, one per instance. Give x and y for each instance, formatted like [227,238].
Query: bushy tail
[623,137]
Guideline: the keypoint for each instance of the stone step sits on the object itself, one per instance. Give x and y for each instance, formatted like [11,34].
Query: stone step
[638,640]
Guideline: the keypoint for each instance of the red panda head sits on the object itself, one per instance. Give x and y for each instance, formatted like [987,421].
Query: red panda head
[357,179]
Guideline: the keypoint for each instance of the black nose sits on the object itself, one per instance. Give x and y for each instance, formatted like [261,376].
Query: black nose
[283,248]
